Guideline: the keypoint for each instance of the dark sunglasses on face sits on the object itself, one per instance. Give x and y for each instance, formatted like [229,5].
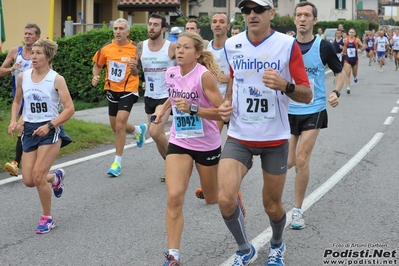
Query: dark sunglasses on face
[258,9]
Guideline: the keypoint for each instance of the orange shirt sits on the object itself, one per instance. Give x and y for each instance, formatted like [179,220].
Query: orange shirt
[116,58]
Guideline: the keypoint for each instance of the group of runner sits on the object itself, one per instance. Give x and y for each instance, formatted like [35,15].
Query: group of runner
[378,47]
[273,103]
[382,45]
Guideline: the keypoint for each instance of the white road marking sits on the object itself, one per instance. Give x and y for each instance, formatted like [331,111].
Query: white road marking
[395,110]
[389,120]
[264,238]
[76,161]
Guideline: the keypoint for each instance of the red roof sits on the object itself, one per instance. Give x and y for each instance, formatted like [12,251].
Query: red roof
[148,5]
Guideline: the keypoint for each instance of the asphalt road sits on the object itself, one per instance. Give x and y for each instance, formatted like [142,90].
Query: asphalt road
[351,205]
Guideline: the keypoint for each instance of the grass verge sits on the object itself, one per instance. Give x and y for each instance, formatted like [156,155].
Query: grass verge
[86,135]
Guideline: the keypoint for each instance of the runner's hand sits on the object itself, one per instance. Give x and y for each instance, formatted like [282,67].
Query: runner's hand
[95,80]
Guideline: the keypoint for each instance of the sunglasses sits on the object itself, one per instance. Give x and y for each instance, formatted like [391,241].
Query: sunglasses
[257,9]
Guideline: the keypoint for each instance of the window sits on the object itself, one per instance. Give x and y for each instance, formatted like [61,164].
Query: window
[340,4]
[202,14]
[219,3]
[275,3]
[238,16]
[360,5]
[237,1]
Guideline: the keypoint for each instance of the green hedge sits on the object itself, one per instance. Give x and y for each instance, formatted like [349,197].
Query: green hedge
[359,25]
[74,62]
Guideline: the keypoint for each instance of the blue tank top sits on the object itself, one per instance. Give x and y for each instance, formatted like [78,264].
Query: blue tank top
[316,74]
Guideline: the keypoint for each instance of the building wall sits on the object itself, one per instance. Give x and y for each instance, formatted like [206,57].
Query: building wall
[14,28]
[391,11]
[207,7]
[326,9]
[370,4]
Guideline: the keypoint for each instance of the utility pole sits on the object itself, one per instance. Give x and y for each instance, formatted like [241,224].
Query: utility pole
[391,10]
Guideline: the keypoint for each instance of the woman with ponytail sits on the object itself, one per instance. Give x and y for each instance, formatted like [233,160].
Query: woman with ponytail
[194,136]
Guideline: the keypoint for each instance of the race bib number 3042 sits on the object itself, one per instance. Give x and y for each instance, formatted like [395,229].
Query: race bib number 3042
[188,126]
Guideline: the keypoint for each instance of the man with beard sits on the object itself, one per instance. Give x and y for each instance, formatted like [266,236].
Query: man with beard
[155,56]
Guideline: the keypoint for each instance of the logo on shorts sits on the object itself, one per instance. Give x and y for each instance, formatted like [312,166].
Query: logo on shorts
[238,46]
[213,157]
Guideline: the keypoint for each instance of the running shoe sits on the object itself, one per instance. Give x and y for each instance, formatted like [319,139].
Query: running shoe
[242,259]
[12,168]
[369,63]
[115,169]
[45,225]
[276,255]
[162,179]
[170,260]
[140,138]
[199,193]
[58,187]
[348,90]
[380,69]
[397,67]
[240,204]
[297,220]
[355,79]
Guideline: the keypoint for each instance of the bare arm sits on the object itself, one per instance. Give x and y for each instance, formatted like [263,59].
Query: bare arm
[272,79]
[135,64]
[360,43]
[333,97]
[66,100]
[229,91]
[16,105]
[172,51]
[161,111]
[209,85]
[96,74]
[9,63]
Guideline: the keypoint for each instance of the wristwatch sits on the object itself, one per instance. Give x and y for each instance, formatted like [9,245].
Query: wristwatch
[193,109]
[289,88]
[337,92]
[50,125]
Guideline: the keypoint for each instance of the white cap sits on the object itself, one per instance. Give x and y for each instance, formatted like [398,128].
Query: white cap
[175,30]
[259,2]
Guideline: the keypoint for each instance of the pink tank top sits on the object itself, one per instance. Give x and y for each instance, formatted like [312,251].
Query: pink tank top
[191,131]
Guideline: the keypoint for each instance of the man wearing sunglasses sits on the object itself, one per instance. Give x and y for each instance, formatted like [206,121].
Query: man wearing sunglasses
[264,65]
[307,120]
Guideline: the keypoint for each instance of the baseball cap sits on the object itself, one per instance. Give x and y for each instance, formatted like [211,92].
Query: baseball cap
[175,30]
[259,2]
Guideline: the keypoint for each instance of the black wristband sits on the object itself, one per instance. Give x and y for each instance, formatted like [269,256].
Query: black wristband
[50,125]
[337,93]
